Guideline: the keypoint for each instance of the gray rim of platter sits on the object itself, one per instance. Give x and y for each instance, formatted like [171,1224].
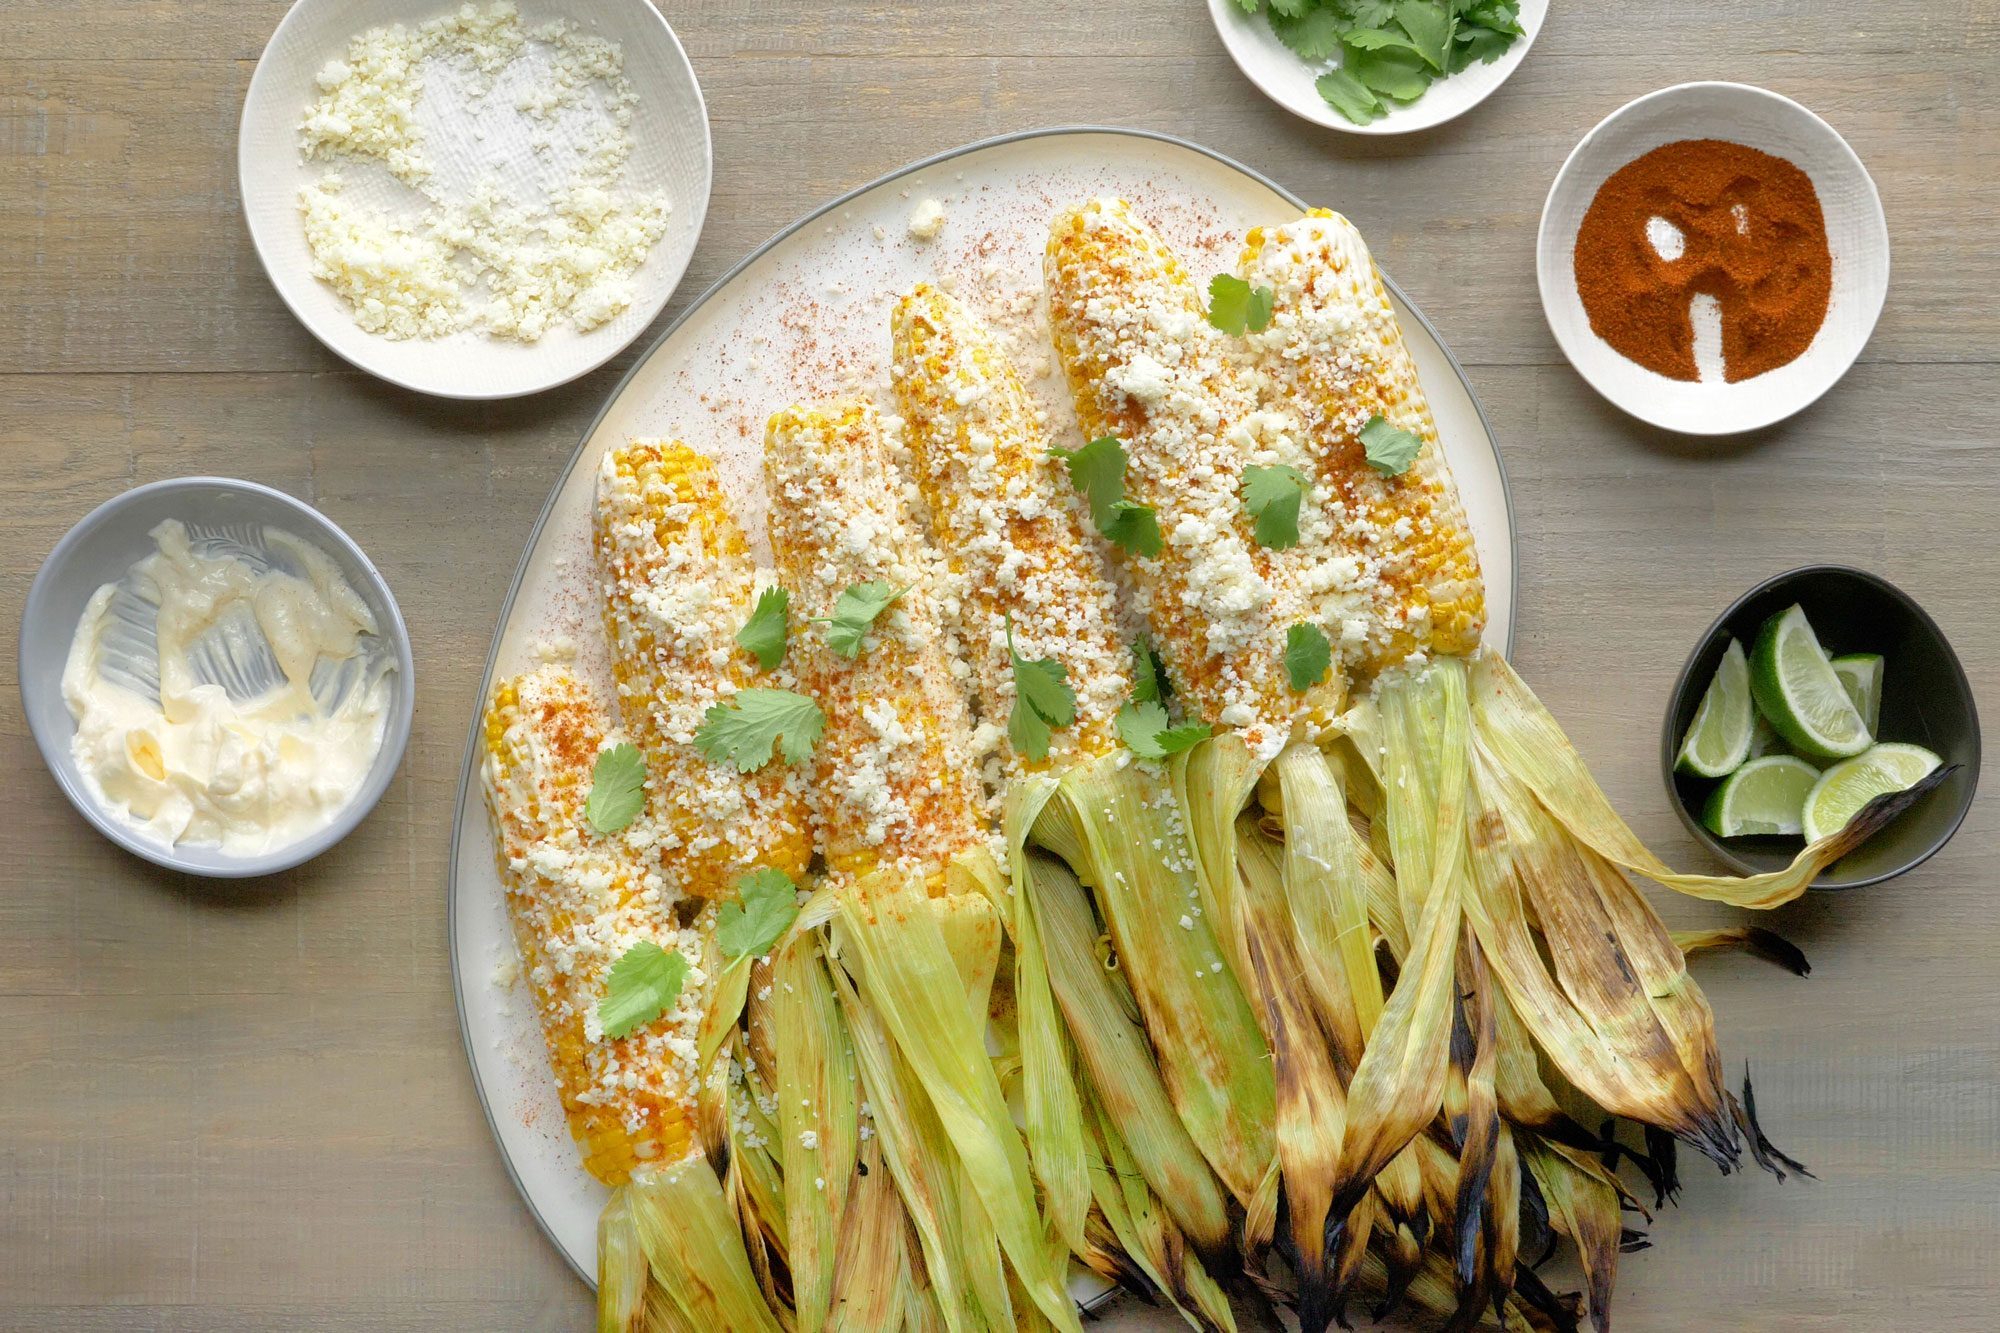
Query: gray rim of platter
[470,763]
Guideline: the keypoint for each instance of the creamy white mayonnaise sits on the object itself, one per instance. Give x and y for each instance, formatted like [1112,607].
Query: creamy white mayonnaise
[248,775]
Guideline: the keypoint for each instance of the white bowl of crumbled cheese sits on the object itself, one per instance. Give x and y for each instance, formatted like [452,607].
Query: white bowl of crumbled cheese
[218,678]
[475,200]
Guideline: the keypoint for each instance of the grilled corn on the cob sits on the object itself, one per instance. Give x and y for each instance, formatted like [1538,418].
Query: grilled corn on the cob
[1014,542]
[1002,507]
[894,780]
[1146,367]
[578,900]
[678,584]
[1406,576]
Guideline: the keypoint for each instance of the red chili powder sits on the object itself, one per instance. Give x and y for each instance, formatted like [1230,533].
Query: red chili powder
[1752,236]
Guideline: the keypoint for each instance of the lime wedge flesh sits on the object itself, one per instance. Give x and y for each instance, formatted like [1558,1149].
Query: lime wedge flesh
[1765,797]
[1843,789]
[1796,688]
[1861,676]
[1718,740]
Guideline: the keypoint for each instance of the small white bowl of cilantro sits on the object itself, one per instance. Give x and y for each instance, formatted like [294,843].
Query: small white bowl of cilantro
[1378,66]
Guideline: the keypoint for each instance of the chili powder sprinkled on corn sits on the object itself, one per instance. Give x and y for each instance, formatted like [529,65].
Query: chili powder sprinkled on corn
[1705,216]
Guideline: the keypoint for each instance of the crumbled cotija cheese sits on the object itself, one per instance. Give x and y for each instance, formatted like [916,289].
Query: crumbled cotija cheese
[927,221]
[494,256]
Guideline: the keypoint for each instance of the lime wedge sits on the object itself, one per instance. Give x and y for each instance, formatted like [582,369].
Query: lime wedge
[1797,690]
[1843,789]
[1765,796]
[1718,740]
[1861,675]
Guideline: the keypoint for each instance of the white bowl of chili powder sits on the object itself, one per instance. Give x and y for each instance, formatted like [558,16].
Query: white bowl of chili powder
[1712,258]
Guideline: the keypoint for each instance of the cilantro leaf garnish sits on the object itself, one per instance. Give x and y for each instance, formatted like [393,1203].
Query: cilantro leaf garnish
[1234,305]
[1308,654]
[1144,729]
[1135,528]
[763,910]
[1380,39]
[1501,16]
[744,730]
[763,635]
[1476,46]
[1313,35]
[1043,701]
[854,613]
[1149,674]
[1272,496]
[1098,472]
[1390,451]
[617,789]
[1429,25]
[643,984]
[1401,75]
[1349,96]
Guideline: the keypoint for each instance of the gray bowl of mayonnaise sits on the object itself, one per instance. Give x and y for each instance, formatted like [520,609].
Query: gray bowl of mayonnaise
[217,677]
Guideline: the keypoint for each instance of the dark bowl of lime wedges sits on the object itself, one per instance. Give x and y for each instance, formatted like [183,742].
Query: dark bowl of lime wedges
[1820,692]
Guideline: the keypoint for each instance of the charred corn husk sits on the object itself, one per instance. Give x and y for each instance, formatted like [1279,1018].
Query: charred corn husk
[1145,366]
[1104,1022]
[1407,573]
[678,584]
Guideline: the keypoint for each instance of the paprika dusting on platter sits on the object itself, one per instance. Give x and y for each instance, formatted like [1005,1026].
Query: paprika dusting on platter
[1705,217]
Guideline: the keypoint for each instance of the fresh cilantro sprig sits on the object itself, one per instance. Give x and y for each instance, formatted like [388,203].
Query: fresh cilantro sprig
[1143,724]
[1043,701]
[1308,655]
[617,789]
[744,730]
[855,612]
[644,983]
[764,908]
[763,635]
[1271,496]
[1389,51]
[1147,732]
[1097,470]
[1235,306]
[1133,527]
[1390,451]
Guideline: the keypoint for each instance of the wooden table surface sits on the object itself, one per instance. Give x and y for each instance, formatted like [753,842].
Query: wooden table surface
[237,1107]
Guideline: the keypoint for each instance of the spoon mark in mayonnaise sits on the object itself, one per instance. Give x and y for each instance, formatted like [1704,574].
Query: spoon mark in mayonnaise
[236,751]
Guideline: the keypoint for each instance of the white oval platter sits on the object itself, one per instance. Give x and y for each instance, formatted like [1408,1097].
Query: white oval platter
[807,315]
